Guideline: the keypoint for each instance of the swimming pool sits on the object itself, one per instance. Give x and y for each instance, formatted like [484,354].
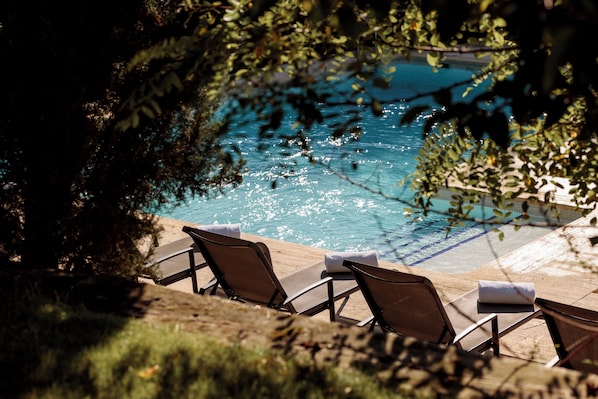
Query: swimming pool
[313,206]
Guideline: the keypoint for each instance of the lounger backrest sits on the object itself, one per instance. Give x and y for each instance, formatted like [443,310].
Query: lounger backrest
[243,270]
[403,303]
[574,331]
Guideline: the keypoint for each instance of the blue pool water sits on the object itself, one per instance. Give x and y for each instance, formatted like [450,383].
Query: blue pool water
[313,206]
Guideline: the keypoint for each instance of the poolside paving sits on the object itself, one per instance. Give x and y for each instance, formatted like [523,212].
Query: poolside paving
[562,265]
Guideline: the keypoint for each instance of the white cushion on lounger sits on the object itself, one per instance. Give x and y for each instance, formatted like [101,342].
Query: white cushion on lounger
[506,292]
[230,230]
[334,260]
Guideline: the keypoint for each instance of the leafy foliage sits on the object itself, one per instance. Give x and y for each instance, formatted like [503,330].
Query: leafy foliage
[118,119]
[77,189]
[543,81]
[535,122]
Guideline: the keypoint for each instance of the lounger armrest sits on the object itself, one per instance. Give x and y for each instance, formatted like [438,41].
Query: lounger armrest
[492,318]
[162,259]
[553,362]
[211,286]
[330,301]
[305,290]
[178,275]
[371,319]
[169,256]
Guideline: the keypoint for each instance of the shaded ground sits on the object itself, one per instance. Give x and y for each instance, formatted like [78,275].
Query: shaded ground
[406,363]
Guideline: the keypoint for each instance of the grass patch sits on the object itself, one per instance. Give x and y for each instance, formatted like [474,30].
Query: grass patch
[53,349]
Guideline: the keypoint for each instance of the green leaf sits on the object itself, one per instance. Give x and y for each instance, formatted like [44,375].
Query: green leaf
[124,125]
[148,111]
[241,72]
[135,119]
[231,15]
[173,80]
[377,107]
[156,107]
[433,58]
[453,154]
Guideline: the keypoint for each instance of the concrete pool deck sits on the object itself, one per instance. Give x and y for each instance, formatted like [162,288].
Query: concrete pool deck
[562,264]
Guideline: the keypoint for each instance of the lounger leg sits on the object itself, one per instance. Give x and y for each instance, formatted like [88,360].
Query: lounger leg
[212,285]
[495,341]
[371,321]
[340,308]
[331,301]
[192,272]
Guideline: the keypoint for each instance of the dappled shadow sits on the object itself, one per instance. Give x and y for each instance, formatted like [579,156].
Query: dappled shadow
[415,367]
[106,294]
[52,295]
[404,365]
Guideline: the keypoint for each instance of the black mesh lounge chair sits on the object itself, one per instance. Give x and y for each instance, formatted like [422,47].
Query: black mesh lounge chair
[177,261]
[408,305]
[244,272]
[574,332]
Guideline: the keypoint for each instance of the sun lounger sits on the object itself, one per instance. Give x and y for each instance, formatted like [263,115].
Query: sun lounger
[409,305]
[177,261]
[574,332]
[244,271]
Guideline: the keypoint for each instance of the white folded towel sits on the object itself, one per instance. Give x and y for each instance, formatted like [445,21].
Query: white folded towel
[506,292]
[230,230]
[334,260]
